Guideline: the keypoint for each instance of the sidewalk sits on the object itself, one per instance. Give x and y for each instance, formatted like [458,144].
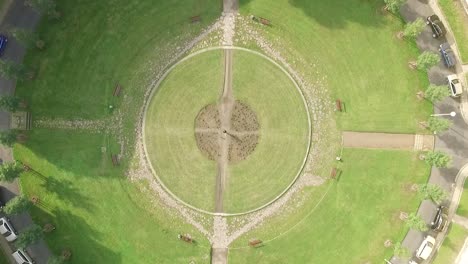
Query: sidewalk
[388,141]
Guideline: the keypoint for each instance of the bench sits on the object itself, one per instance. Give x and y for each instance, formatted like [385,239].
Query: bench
[186,238]
[334,173]
[195,19]
[255,242]
[265,21]
[117,90]
[339,105]
[115,159]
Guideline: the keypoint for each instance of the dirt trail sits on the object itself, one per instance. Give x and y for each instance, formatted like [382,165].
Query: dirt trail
[224,139]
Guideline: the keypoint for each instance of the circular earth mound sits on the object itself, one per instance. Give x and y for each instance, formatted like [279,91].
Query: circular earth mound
[256,138]
[243,132]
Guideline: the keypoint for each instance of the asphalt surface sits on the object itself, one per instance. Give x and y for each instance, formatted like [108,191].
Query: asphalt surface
[18,15]
[453,142]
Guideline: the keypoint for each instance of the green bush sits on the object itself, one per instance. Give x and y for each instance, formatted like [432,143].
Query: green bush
[17,205]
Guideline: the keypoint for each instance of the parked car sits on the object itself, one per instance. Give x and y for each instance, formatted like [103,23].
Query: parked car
[3,43]
[438,29]
[425,250]
[6,229]
[440,219]
[22,257]
[447,55]
[455,85]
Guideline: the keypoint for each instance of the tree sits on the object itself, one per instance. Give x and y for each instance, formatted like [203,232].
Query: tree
[8,137]
[11,70]
[400,251]
[435,93]
[394,5]
[414,28]
[415,221]
[55,260]
[432,192]
[437,124]
[29,236]
[17,205]
[427,59]
[9,103]
[10,171]
[438,159]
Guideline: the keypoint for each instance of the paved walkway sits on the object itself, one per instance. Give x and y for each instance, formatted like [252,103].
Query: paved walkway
[388,141]
[460,220]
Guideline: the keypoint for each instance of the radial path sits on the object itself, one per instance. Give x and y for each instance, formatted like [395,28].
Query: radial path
[224,139]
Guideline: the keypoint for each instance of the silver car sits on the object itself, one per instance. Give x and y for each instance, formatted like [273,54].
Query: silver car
[6,229]
[22,257]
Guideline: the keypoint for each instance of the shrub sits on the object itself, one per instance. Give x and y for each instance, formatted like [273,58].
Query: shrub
[11,70]
[9,103]
[10,171]
[432,192]
[415,221]
[8,137]
[29,236]
[437,124]
[394,5]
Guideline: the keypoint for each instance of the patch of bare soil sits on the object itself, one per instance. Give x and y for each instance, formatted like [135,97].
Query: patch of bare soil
[243,133]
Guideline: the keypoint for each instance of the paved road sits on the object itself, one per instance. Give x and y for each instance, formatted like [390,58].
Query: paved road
[17,16]
[454,141]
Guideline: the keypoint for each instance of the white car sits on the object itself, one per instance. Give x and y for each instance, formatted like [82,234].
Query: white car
[22,257]
[6,229]
[425,250]
[455,85]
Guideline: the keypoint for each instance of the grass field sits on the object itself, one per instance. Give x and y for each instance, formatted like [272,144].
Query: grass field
[458,21]
[284,133]
[452,245]
[99,214]
[198,82]
[463,206]
[170,134]
[355,50]
[352,223]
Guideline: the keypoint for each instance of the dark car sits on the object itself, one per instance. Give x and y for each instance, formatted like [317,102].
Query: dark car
[3,43]
[438,29]
[447,55]
[440,219]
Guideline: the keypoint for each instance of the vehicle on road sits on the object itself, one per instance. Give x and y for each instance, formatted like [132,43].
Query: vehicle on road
[426,248]
[447,55]
[3,43]
[455,86]
[438,28]
[21,257]
[6,229]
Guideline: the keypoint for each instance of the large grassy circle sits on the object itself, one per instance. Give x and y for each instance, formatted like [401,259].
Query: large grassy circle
[284,133]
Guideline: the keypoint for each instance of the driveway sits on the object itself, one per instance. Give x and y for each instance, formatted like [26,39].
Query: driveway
[455,141]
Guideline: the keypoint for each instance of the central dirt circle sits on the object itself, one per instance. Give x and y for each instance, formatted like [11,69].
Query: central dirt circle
[243,132]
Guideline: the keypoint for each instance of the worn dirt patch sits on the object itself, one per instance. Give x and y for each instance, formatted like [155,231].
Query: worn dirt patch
[244,132]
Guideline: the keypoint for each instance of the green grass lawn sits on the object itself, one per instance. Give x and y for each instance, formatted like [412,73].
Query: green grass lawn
[458,21]
[97,44]
[283,127]
[99,214]
[356,53]
[170,134]
[463,206]
[353,221]
[3,259]
[452,245]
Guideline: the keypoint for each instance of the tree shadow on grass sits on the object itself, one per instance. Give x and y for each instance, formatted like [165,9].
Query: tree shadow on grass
[337,13]
[67,192]
[74,233]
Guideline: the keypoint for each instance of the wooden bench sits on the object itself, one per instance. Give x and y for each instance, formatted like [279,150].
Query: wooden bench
[115,159]
[339,105]
[334,173]
[117,90]
[265,21]
[195,19]
[186,238]
[255,242]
